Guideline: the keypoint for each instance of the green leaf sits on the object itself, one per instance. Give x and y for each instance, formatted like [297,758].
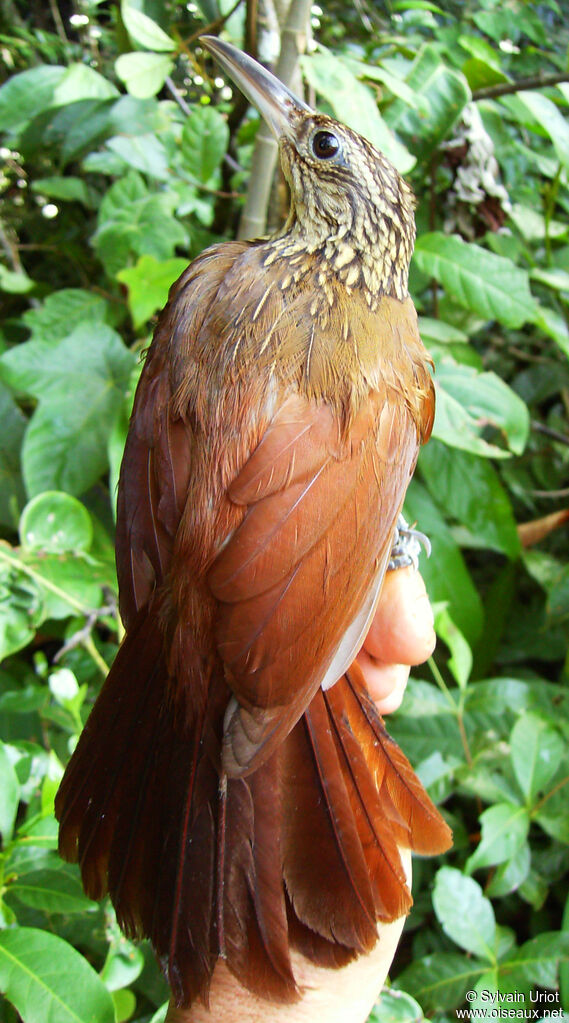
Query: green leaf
[564,967]
[553,816]
[144,153]
[490,285]
[12,495]
[479,74]
[533,227]
[550,118]
[423,736]
[62,311]
[553,277]
[9,795]
[504,830]
[393,82]
[469,402]
[23,95]
[538,961]
[440,332]
[460,662]
[535,751]
[56,522]
[465,915]
[498,23]
[65,583]
[82,82]
[80,385]
[354,103]
[437,774]
[15,282]
[143,74]
[143,30]
[440,981]
[160,1014]
[396,1007]
[205,137]
[446,93]
[466,486]
[63,685]
[510,875]
[124,1002]
[148,285]
[416,5]
[498,696]
[53,891]
[122,965]
[118,435]
[47,981]
[554,325]
[20,605]
[424,700]
[133,220]
[480,49]
[445,573]
[67,189]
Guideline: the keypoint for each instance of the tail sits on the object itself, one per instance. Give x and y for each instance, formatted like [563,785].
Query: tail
[351,801]
[302,853]
[137,810]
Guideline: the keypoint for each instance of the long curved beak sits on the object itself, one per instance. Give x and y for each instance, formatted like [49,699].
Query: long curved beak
[273,100]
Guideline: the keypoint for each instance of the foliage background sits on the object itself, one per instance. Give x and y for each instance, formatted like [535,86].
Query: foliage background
[125,153]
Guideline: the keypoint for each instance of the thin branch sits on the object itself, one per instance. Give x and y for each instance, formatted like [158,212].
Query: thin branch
[508,88]
[251,17]
[219,193]
[177,95]
[433,225]
[254,215]
[206,30]
[456,709]
[58,21]
[552,494]
[561,438]
[174,92]
[84,637]
[11,251]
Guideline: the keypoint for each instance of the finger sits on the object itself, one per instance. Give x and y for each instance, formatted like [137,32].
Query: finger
[385,682]
[395,698]
[402,629]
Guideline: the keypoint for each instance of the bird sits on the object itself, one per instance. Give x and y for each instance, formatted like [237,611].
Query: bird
[234,789]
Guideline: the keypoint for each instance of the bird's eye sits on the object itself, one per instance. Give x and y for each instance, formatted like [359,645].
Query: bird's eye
[325,145]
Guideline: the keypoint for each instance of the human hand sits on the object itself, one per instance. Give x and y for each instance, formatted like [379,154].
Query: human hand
[401,634]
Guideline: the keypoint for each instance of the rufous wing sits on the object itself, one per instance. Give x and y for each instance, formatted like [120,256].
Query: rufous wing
[306,563]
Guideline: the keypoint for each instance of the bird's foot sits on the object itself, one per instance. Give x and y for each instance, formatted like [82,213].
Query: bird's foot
[406,548]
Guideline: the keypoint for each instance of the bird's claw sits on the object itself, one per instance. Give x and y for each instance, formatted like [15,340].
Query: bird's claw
[406,548]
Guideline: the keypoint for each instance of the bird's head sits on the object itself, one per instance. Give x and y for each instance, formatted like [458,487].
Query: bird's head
[347,200]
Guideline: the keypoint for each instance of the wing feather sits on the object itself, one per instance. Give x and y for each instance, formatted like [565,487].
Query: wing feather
[301,566]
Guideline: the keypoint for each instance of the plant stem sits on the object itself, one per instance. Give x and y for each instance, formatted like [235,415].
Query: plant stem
[550,201]
[254,215]
[508,88]
[58,21]
[89,645]
[441,683]
[548,431]
[560,784]
[457,709]
[21,566]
